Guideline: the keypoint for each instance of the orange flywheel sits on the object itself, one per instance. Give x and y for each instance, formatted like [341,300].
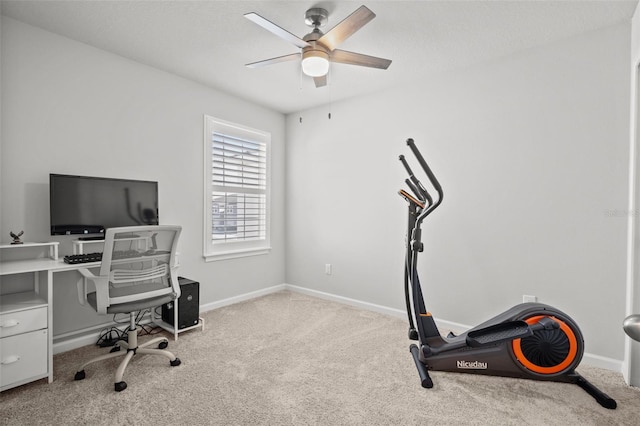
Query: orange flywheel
[547,351]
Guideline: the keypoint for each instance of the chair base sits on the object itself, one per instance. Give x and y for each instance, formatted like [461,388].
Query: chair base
[132,348]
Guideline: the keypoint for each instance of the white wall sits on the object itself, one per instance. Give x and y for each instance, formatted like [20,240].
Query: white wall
[532,152]
[70,108]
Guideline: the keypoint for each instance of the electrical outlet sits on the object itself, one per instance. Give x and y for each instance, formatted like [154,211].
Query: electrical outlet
[327,269]
[526,298]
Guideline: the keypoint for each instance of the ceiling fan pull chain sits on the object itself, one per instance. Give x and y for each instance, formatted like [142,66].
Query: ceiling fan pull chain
[330,93]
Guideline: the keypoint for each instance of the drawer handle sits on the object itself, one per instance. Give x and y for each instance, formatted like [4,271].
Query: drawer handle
[10,359]
[10,323]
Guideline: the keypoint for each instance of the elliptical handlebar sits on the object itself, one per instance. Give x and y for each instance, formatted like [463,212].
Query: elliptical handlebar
[411,199]
[418,194]
[415,185]
[432,179]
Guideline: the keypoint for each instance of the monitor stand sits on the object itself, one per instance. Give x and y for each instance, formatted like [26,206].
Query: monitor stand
[99,237]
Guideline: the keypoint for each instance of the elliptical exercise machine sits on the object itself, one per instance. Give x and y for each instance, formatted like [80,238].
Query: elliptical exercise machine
[530,340]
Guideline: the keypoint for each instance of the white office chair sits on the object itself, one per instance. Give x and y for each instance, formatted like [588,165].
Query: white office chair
[138,272]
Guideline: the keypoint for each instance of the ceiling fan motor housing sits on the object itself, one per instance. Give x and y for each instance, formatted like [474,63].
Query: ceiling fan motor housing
[316,17]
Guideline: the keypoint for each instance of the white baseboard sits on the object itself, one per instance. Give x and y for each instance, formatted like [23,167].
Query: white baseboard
[588,359]
[398,313]
[87,336]
[242,297]
[602,362]
[445,326]
[347,301]
[74,342]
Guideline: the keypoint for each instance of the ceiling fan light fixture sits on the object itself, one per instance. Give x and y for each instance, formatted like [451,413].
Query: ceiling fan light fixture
[315,63]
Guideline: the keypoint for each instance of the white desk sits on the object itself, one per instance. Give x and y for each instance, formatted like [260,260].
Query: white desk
[26,317]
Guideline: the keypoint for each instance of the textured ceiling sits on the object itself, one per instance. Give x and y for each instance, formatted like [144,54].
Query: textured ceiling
[210,41]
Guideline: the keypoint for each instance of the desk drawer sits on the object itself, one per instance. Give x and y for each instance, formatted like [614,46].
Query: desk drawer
[17,322]
[23,356]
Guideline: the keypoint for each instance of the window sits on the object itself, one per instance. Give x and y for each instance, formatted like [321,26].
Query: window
[236,190]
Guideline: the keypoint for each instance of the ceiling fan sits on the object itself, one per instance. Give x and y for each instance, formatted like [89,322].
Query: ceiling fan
[319,49]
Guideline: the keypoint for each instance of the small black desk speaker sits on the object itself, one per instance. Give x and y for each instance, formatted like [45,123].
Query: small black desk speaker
[188,305]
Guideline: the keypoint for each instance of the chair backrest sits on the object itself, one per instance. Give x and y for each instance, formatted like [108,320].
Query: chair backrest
[139,263]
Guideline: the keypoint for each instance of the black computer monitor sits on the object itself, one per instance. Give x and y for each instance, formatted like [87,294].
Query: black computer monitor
[89,205]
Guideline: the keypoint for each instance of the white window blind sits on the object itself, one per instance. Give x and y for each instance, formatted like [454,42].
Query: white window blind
[239,181]
[236,191]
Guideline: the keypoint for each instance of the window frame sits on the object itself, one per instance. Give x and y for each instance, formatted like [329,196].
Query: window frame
[223,250]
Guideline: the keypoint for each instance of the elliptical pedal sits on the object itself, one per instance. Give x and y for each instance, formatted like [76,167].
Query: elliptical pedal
[497,333]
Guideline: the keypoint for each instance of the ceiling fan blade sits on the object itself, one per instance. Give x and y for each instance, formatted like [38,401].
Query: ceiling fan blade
[273,28]
[347,27]
[285,58]
[351,58]
[320,81]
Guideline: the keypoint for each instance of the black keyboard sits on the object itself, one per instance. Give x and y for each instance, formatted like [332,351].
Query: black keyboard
[83,258]
[97,257]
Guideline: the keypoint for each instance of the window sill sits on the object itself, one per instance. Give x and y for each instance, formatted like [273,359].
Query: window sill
[211,257]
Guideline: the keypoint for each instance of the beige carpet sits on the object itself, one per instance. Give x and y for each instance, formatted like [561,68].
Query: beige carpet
[289,359]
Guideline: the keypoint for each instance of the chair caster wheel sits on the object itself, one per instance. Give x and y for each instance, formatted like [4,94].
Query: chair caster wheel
[163,345]
[120,386]
[114,349]
[79,375]
[175,362]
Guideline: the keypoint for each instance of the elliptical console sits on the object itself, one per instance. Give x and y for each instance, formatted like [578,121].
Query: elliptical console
[530,340]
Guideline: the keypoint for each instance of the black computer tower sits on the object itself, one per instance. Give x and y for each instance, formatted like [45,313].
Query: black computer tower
[188,305]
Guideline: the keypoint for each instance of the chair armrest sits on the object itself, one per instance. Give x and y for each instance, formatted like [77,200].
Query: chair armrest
[101,285]
[82,285]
